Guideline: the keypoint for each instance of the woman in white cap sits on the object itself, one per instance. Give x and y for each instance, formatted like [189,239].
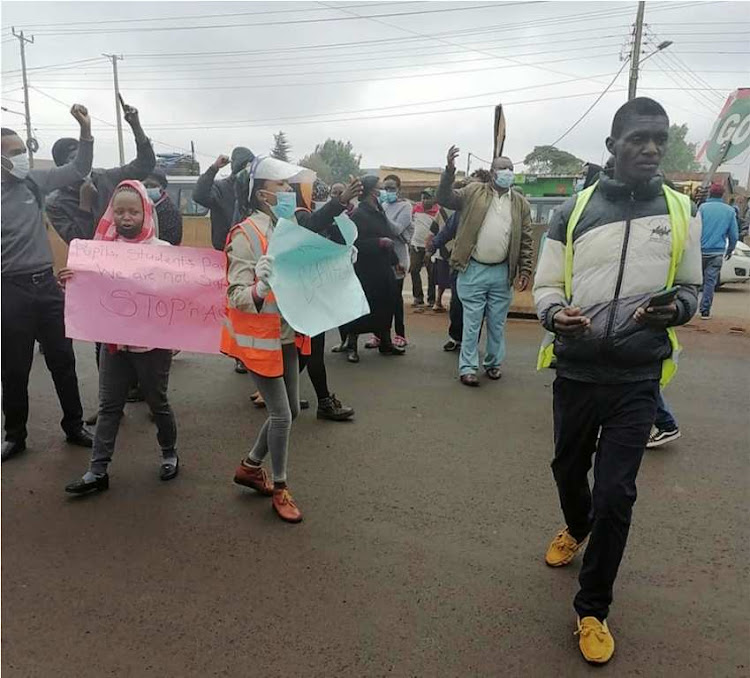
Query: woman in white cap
[255,332]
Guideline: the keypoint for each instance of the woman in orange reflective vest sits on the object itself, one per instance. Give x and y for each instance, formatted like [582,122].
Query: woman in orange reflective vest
[255,332]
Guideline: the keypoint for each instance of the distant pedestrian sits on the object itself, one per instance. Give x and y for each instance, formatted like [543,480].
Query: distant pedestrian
[398,211]
[129,218]
[719,238]
[375,270]
[32,303]
[168,215]
[665,429]
[426,220]
[493,249]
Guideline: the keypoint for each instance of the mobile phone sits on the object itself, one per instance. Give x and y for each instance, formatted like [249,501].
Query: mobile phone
[663,298]
[122,102]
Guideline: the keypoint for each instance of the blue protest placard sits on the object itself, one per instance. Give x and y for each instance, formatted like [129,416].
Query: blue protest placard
[313,278]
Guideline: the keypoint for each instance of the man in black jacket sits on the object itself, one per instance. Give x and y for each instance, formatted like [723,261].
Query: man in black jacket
[219,196]
[75,210]
[629,236]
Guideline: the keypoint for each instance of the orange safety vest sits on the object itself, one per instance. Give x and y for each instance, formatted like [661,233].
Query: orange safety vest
[255,338]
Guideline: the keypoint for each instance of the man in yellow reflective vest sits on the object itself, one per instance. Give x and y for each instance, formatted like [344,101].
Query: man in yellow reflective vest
[610,250]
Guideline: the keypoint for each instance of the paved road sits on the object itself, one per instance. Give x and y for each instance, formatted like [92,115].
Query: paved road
[421,552]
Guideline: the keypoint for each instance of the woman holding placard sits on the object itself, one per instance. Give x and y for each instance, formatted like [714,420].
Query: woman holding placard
[255,332]
[129,217]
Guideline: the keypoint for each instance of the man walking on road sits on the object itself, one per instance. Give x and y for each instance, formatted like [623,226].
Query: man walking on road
[493,248]
[424,215]
[719,226]
[609,250]
[32,302]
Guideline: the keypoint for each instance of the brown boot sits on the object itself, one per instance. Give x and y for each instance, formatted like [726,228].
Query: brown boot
[255,478]
[285,506]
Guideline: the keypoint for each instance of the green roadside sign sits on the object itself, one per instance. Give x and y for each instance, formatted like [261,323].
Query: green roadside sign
[733,125]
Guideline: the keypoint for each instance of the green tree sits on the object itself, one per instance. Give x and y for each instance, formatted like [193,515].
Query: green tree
[680,155]
[333,160]
[551,160]
[281,147]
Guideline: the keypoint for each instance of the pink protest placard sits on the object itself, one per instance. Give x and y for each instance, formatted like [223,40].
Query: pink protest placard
[146,295]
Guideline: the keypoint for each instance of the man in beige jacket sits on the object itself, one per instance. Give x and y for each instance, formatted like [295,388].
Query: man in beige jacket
[493,249]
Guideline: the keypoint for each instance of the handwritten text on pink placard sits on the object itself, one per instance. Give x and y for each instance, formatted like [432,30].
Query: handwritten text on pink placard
[146,295]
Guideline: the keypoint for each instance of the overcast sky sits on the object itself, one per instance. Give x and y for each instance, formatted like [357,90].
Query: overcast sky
[390,84]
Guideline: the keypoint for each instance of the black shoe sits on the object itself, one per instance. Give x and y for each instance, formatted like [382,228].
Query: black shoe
[340,348]
[451,345]
[304,404]
[80,486]
[12,448]
[353,357]
[392,350]
[82,437]
[91,421]
[332,409]
[135,395]
[239,367]
[168,470]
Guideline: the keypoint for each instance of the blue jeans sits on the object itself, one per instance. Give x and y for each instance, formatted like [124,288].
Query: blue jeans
[665,420]
[711,269]
[484,291]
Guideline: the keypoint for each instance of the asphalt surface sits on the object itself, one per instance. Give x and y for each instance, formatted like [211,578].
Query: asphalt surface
[426,521]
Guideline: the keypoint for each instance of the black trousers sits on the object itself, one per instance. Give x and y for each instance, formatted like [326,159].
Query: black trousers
[33,310]
[398,314]
[420,259]
[456,312]
[316,366]
[622,416]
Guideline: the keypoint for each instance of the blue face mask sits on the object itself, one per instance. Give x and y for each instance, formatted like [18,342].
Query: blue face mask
[578,186]
[154,193]
[383,196]
[390,196]
[285,205]
[504,178]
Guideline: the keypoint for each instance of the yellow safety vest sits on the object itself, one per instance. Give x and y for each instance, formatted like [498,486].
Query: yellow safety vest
[678,206]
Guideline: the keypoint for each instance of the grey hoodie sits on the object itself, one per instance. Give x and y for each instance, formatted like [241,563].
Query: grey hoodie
[25,246]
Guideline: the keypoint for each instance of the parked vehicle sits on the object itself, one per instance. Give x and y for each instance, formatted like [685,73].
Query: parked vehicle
[736,269]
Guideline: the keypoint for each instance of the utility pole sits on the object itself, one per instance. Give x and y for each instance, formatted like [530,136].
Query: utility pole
[118,107]
[30,142]
[635,54]
[468,165]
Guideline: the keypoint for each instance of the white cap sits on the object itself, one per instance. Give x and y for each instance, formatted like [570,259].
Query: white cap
[278,170]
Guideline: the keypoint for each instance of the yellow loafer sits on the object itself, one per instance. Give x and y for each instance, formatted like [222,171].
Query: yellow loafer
[563,549]
[594,640]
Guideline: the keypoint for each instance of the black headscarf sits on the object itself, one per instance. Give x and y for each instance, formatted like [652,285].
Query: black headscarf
[241,156]
[62,148]
[160,177]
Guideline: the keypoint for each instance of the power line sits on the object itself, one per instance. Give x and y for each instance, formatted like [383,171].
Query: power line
[348,81]
[262,24]
[193,17]
[234,76]
[232,123]
[590,108]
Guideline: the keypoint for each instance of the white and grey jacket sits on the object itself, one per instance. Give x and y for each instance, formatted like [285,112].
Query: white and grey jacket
[622,249]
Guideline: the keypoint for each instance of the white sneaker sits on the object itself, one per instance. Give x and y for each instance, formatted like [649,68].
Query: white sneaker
[660,437]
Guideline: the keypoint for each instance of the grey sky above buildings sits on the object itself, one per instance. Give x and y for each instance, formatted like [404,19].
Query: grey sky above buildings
[401,88]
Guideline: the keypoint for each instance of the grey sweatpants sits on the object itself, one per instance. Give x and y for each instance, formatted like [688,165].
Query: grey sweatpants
[282,402]
[116,375]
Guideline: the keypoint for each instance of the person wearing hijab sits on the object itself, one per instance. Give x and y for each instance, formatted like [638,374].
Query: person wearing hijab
[129,218]
[588,176]
[168,217]
[255,332]
[375,270]
[220,196]
[75,210]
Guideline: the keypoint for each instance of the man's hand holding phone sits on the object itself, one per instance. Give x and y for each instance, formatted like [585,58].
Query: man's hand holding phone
[660,311]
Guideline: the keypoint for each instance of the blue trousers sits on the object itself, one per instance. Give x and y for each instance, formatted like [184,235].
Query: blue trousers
[711,269]
[485,291]
[665,420]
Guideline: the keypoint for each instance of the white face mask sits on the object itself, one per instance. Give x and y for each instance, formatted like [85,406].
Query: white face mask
[19,166]
[504,178]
